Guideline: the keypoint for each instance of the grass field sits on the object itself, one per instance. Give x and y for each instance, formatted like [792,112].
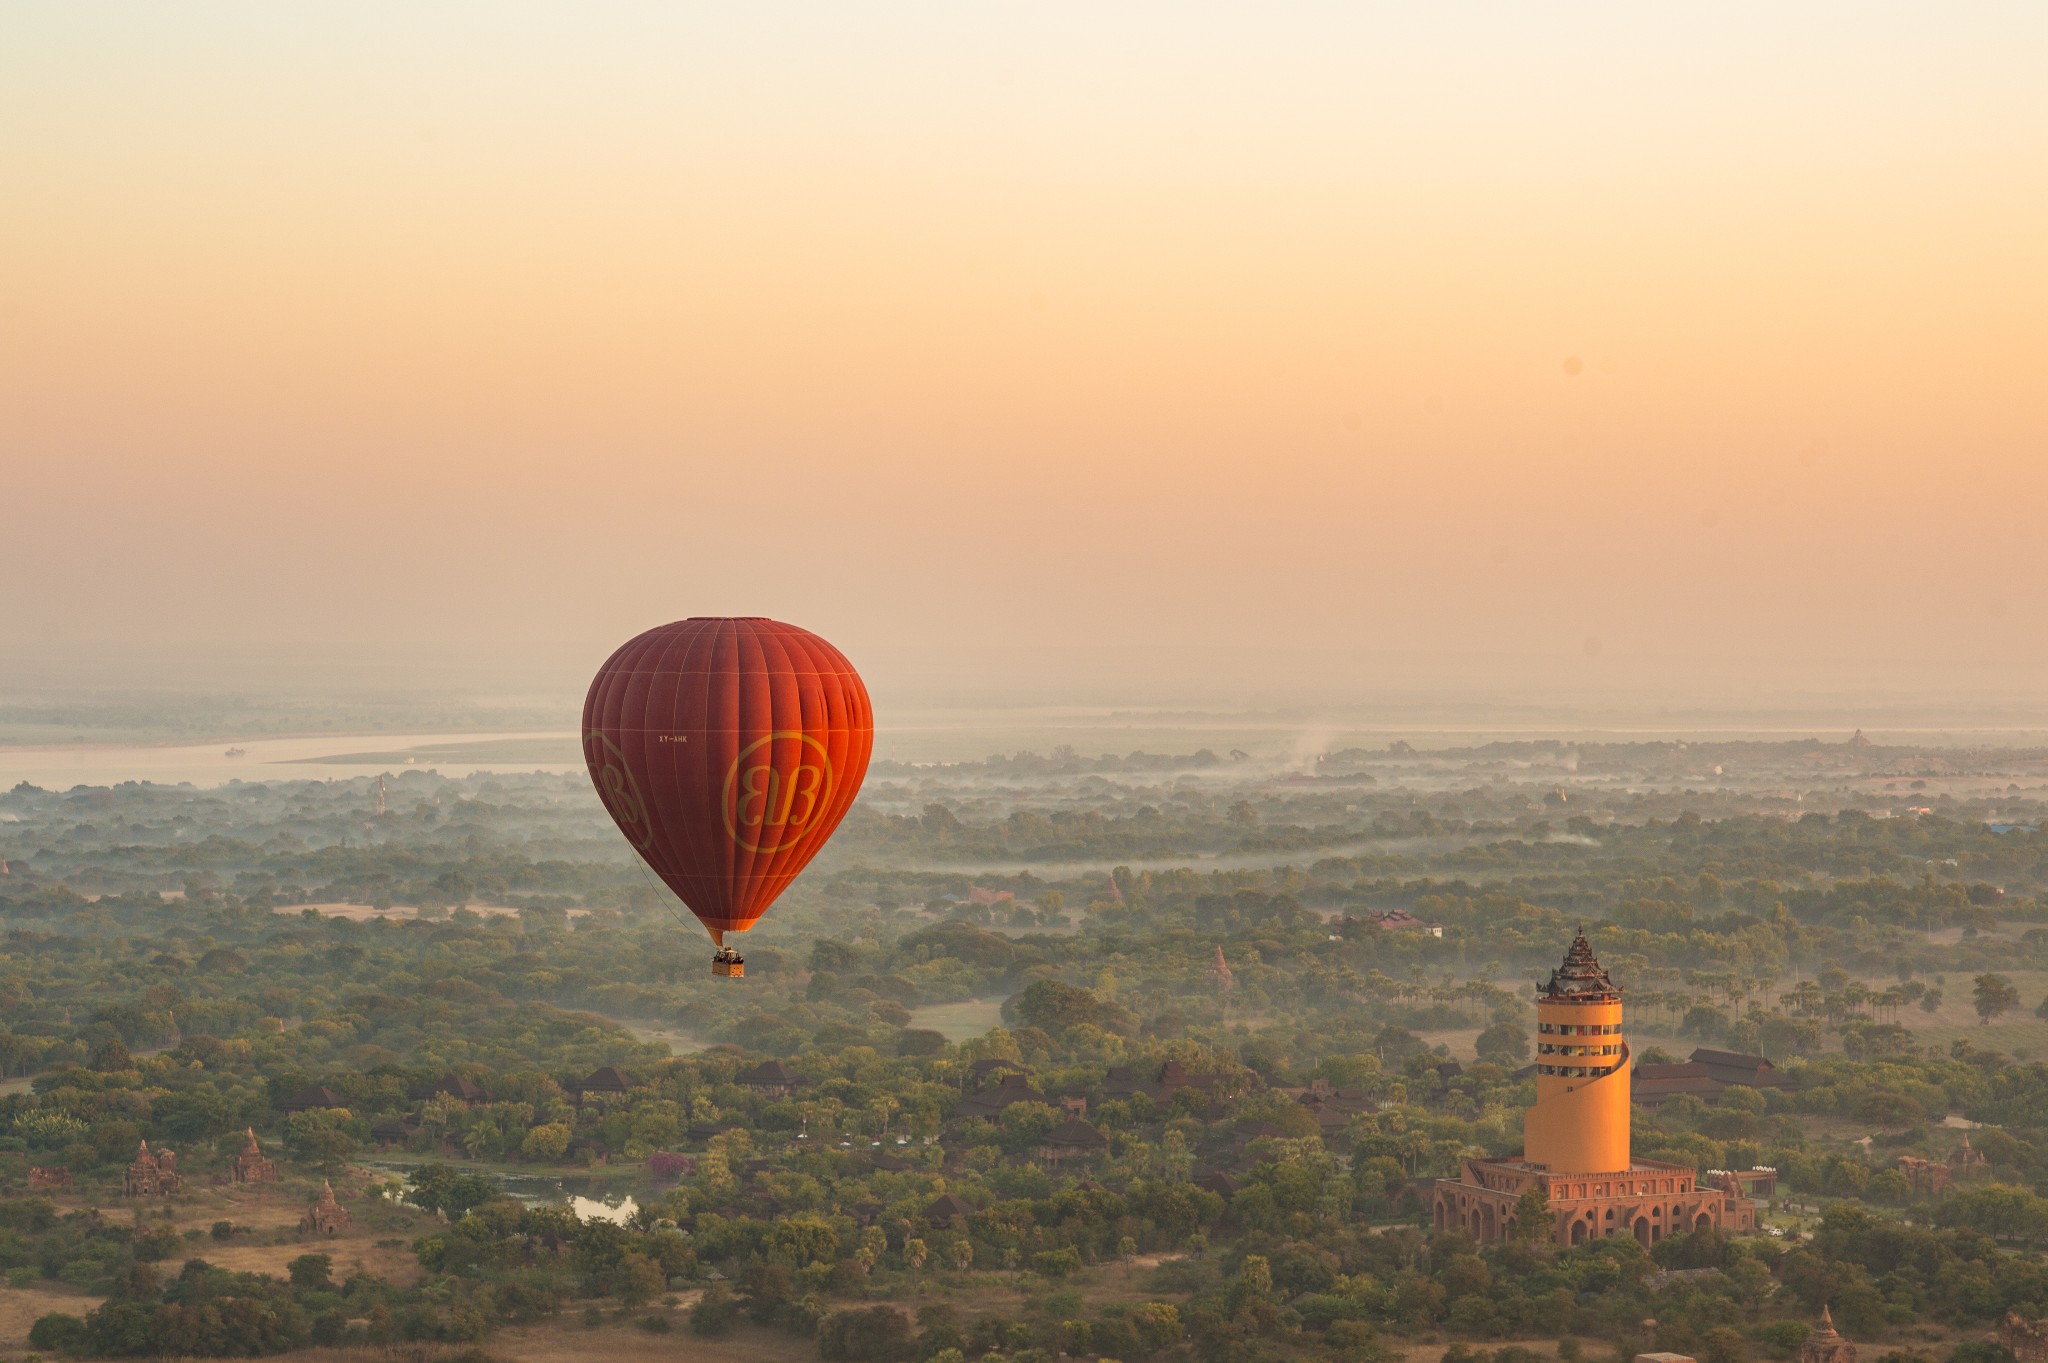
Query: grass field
[569,1341]
[22,1307]
[958,1021]
[678,1041]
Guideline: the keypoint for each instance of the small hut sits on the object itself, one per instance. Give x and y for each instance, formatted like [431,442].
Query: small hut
[1071,1139]
[770,1079]
[310,1099]
[946,1211]
[451,1085]
[604,1082]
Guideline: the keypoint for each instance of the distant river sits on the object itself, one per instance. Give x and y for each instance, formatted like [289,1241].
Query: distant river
[60,766]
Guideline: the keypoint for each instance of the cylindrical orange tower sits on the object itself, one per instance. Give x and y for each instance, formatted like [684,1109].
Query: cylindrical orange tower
[1580,1122]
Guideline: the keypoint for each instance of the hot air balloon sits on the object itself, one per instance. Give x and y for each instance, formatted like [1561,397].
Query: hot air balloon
[727,749]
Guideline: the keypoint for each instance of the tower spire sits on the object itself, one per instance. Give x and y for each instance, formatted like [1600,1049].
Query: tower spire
[1580,979]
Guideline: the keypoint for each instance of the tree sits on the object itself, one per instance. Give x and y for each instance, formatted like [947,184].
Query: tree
[713,1314]
[312,1272]
[802,1240]
[1054,1007]
[549,1141]
[1505,1043]
[1994,994]
[1257,1275]
[1979,1351]
[438,1188]
[919,1041]
[1025,1124]
[639,1279]
[879,1334]
[1057,1264]
[1724,1344]
[1176,1157]
[481,1138]
[915,1252]
[1157,1325]
[57,1333]
[1533,1222]
[319,1138]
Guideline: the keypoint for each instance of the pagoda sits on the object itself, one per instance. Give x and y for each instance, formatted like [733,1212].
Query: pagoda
[326,1216]
[1825,1344]
[152,1175]
[252,1165]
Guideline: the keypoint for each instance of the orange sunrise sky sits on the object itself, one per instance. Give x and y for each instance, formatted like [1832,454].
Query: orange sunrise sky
[1629,348]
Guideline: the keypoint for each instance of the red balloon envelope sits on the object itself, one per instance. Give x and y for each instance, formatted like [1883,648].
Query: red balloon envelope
[727,750]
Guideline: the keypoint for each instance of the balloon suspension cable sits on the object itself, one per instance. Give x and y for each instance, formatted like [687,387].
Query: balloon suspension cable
[726,961]
[662,899]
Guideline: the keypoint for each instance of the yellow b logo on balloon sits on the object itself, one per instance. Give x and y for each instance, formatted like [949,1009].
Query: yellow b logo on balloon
[768,808]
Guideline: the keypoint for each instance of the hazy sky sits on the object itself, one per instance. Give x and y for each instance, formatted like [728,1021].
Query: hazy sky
[1576,341]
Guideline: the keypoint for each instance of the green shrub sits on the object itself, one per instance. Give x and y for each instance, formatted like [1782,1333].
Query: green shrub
[57,1332]
[1057,1264]
[713,1313]
[879,1334]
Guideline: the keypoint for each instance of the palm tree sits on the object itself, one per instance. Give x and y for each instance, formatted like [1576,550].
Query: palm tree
[914,1253]
[479,1138]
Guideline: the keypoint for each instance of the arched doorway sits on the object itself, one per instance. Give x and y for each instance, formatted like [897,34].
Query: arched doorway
[1580,1231]
[1439,1211]
[1705,1222]
[1643,1231]
[1486,1223]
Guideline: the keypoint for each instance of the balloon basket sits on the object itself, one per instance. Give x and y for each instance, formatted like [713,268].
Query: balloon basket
[730,970]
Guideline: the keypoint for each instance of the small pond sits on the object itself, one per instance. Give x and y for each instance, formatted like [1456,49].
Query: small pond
[580,1194]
